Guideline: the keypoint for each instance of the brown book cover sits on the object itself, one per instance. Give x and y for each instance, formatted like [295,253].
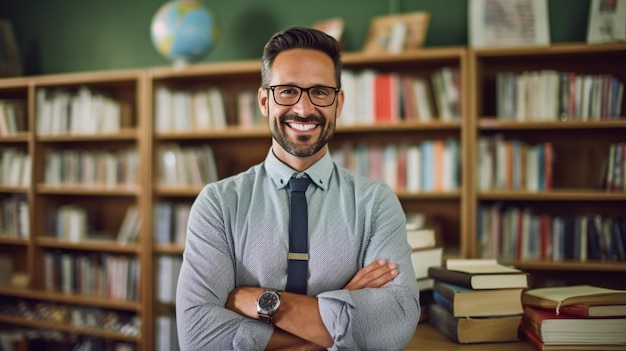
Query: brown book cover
[474,330]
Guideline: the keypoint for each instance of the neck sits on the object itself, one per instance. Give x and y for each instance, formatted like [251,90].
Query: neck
[299,164]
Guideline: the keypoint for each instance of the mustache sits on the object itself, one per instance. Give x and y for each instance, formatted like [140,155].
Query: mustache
[308,119]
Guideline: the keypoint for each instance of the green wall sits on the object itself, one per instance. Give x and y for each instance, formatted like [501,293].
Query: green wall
[59,36]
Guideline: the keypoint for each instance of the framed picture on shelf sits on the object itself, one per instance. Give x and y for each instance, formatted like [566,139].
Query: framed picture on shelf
[498,23]
[9,59]
[333,27]
[607,21]
[397,33]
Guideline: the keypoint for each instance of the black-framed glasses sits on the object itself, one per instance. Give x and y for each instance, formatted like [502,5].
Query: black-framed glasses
[319,95]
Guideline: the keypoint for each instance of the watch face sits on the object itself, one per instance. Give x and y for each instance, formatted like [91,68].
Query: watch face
[268,301]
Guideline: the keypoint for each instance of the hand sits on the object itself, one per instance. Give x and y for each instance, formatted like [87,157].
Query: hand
[375,275]
[243,301]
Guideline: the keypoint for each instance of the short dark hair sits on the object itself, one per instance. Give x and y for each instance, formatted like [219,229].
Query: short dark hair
[300,38]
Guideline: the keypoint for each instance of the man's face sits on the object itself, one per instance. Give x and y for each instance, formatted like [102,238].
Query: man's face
[303,129]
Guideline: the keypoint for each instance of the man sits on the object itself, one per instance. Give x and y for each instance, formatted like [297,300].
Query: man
[360,286]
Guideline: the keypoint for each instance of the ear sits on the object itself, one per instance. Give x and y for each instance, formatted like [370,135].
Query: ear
[263,98]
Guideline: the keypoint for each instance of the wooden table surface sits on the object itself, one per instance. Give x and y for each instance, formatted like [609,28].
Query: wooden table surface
[427,338]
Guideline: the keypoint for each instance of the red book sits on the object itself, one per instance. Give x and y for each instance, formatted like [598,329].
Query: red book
[561,329]
[549,159]
[527,331]
[386,106]
[593,311]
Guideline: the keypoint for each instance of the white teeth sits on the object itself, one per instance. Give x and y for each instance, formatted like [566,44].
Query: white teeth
[302,127]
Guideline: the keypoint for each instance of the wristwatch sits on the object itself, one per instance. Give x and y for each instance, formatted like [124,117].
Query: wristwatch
[266,304]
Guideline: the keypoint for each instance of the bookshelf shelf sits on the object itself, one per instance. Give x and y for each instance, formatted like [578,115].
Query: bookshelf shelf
[72,299]
[170,249]
[68,328]
[554,195]
[587,266]
[123,134]
[12,240]
[13,189]
[87,190]
[490,123]
[225,133]
[89,245]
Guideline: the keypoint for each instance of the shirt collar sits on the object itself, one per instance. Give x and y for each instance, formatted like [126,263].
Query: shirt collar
[280,173]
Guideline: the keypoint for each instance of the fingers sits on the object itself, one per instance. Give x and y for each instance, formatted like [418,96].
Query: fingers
[375,275]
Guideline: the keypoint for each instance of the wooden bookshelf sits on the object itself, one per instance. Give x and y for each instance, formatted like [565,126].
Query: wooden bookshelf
[580,143]
[236,148]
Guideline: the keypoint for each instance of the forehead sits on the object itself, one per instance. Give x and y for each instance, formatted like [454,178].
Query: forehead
[304,67]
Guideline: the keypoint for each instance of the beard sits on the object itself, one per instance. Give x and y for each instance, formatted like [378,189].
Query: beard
[301,148]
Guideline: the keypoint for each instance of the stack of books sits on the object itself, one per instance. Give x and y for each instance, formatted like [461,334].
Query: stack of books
[578,317]
[477,300]
[425,253]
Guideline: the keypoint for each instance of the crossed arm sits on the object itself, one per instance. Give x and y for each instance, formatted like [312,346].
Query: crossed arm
[298,321]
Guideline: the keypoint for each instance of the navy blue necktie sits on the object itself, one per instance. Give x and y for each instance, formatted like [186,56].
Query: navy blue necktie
[298,264]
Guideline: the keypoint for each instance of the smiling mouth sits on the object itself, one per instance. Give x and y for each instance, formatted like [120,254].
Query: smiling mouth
[303,127]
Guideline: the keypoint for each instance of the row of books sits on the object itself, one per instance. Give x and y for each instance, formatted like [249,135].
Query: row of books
[615,179]
[514,165]
[550,95]
[430,166]
[78,317]
[92,167]
[168,268]
[74,222]
[185,165]
[374,97]
[12,116]
[14,217]
[15,167]
[83,111]
[477,300]
[170,222]
[182,110]
[576,317]
[112,276]
[514,233]
[185,109]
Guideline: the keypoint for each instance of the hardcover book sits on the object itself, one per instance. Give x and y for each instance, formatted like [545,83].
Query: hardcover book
[561,330]
[531,336]
[465,302]
[474,330]
[479,274]
[557,297]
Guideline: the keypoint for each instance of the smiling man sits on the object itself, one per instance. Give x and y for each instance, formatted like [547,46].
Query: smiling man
[354,286]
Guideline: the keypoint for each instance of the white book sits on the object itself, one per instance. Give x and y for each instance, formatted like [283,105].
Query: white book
[181,217]
[365,93]
[424,258]
[422,99]
[532,168]
[390,165]
[129,229]
[163,119]
[413,166]
[216,103]
[349,113]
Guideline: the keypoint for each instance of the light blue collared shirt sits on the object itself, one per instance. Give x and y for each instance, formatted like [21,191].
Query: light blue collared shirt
[238,235]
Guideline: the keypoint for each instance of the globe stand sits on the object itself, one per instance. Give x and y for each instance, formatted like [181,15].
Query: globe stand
[180,63]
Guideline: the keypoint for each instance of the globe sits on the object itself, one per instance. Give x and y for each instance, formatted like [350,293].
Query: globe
[183,31]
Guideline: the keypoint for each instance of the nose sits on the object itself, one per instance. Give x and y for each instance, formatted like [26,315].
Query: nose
[304,107]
